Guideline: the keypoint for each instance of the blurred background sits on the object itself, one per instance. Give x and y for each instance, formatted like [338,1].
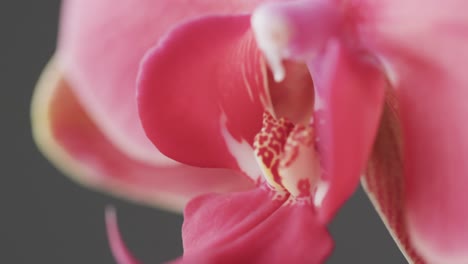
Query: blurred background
[46,218]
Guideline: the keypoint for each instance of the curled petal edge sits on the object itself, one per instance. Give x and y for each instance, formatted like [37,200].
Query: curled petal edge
[383,179]
[104,168]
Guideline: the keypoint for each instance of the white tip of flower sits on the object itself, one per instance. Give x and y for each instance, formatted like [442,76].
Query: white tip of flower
[322,189]
[272,33]
[276,66]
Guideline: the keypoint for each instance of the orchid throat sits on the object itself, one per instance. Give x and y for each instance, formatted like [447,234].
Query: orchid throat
[286,155]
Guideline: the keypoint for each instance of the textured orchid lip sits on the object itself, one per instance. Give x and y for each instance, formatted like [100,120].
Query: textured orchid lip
[286,155]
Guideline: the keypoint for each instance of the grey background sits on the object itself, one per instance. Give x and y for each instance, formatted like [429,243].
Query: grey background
[45,218]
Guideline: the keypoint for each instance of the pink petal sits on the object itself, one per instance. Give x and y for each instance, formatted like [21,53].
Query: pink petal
[201,91]
[384,181]
[252,227]
[434,113]
[120,251]
[100,46]
[67,135]
[425,44]
[350,92]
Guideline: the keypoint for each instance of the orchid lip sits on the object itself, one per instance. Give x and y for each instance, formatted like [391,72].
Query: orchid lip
[286,154]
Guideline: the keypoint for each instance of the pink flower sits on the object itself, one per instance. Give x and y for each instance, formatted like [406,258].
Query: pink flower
[279,113]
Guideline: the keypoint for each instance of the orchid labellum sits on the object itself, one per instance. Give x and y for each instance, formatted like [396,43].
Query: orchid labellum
[261,117]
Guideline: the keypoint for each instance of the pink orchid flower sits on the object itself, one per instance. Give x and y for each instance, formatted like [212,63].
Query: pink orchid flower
[271,111]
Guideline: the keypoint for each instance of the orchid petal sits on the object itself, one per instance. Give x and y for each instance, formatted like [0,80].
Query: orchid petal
[196,103]
[384,181]
[120,251]
[434,113]
[428,56]
[252,227]
[350,92]
[67,135]
[100,46]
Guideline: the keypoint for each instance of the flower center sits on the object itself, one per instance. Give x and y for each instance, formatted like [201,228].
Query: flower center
[286,154]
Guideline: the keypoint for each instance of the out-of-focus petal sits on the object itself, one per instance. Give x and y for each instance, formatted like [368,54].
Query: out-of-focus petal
[120,251]
[100,46]
[252,227]
[201,92]
[349,95]
[424,44]
[70,139]
[383,179]
[434,119]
